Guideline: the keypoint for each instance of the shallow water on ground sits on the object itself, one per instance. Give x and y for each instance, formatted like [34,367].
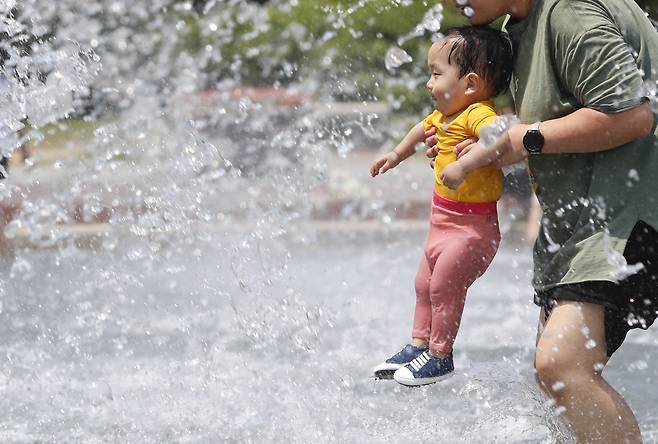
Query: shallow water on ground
[195,347]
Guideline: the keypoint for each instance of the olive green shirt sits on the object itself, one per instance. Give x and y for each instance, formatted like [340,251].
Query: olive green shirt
[598,54]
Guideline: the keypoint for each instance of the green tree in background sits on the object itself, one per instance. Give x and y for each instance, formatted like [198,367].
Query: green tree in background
[339,44]
[333,42]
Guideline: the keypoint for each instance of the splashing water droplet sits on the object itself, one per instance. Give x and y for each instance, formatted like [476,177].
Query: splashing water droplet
[433,18]
[396,57]
[559,385]
[492,132]
[469,12]
[22,268]
[621,268]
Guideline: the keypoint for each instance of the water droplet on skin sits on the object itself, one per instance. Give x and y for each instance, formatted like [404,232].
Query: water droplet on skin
[639,365]
[590,344]
[469,12]
[559,385]
[561,409]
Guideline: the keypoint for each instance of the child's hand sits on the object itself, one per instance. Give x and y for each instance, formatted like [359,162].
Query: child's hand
[384,163]
[453,175]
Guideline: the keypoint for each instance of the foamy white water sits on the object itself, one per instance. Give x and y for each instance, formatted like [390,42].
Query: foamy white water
[98,349]
[199,323]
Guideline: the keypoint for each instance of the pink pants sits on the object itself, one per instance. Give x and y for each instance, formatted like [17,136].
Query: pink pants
[458,249]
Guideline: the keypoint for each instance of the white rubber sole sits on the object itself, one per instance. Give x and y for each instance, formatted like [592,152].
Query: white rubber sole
[416,382]
[386,370]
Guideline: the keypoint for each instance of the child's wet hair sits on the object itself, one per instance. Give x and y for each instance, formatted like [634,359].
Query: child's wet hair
[484,51]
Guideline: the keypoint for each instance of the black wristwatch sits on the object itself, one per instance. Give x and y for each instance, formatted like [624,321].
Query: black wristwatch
[533,141]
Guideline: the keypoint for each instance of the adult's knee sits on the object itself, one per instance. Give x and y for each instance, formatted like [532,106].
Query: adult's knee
[554,371]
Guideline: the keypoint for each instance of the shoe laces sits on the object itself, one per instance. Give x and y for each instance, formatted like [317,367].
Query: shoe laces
[420,361]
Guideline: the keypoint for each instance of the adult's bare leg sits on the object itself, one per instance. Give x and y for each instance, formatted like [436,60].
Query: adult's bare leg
[571,353]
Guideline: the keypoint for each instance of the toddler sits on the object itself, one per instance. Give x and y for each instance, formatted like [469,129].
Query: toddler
[468,66]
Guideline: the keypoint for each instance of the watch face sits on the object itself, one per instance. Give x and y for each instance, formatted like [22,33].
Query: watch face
[533,141]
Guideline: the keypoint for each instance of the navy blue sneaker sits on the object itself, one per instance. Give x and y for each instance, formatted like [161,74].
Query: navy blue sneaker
[408,353]
[425,369]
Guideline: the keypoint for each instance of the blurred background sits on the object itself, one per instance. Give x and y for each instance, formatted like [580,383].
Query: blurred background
[358,68]
[193,250]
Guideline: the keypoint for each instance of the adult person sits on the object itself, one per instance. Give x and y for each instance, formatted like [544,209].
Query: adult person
[590,138]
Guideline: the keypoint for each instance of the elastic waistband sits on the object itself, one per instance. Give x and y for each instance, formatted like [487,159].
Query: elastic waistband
[477,208]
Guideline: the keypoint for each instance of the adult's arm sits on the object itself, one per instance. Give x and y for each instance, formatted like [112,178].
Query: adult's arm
[583,131]
[598,68]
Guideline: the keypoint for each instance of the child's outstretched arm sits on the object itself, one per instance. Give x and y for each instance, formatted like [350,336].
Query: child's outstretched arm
[405,149]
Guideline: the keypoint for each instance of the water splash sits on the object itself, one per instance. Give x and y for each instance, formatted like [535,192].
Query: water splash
[492,132]
[396,57]
[621,268]
[190,187]
[431,23]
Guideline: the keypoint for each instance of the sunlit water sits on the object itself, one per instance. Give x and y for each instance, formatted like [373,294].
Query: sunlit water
[114,348]
[211,311]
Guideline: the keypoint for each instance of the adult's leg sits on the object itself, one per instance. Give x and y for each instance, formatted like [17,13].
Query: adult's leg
[571,353]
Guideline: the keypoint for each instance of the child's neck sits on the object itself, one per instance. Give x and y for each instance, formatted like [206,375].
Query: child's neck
[453,116]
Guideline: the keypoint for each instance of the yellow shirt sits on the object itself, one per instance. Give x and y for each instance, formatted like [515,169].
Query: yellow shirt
[482,185]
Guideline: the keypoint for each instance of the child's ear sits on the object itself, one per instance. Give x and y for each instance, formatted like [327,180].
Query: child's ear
[474,84]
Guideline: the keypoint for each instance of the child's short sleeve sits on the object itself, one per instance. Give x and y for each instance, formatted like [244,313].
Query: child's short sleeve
[479,116]
[593,60]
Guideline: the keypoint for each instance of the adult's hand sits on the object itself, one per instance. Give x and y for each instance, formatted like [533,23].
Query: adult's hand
[431,142]
[465,146]
[507,150]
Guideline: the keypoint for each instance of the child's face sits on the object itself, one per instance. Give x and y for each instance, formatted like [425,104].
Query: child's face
[445,86]
[484,11]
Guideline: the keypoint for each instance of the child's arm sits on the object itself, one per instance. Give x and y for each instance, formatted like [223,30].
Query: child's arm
[405,149]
